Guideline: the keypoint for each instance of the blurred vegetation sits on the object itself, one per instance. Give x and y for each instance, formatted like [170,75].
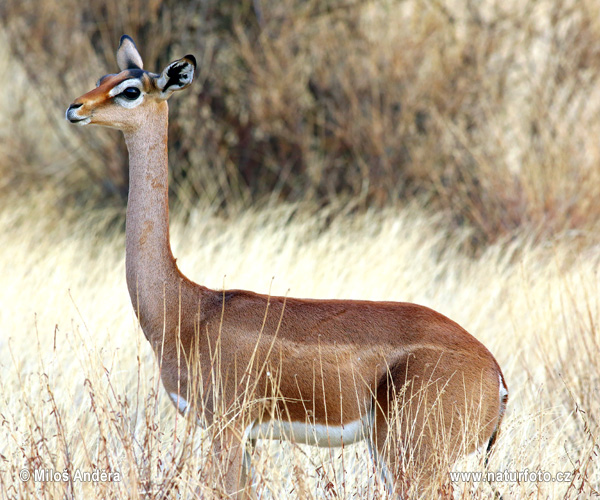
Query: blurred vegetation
[485,111]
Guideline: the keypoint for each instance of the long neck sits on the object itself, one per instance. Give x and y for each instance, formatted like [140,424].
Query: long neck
[152,275]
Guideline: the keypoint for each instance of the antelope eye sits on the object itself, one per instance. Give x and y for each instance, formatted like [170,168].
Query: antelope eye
[131,93]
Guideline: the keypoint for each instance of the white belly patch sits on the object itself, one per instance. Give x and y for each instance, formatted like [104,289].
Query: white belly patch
[179,401]
[326,436]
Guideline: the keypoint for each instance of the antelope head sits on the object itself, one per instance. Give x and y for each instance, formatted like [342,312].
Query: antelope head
[124,99]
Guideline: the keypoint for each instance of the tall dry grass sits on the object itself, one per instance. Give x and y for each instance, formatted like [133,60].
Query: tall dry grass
[80,387]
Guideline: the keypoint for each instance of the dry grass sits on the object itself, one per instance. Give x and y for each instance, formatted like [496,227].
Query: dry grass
[80,387]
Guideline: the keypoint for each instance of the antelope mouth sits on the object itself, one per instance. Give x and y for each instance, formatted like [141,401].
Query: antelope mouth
[73,117]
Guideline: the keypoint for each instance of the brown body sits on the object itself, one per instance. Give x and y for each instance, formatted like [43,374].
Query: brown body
[414,377]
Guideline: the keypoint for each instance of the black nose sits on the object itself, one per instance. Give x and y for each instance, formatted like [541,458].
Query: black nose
[71,113]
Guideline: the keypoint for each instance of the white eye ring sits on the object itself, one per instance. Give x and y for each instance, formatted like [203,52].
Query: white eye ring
[120,93]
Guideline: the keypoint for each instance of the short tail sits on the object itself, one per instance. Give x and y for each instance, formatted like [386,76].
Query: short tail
[503,393]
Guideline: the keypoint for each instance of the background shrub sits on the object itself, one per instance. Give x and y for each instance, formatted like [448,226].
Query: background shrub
[485,111]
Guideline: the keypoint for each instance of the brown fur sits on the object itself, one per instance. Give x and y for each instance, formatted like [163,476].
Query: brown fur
[330,362]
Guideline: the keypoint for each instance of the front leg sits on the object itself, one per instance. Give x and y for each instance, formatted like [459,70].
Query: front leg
[231,461]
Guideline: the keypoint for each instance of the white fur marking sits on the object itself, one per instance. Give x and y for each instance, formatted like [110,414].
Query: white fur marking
[503,390]
[314,434]
[503,393]
[130,82]
[179,401]
[122,101]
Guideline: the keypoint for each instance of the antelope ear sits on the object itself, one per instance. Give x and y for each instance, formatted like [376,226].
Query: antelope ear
[128,56]
[176,76]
